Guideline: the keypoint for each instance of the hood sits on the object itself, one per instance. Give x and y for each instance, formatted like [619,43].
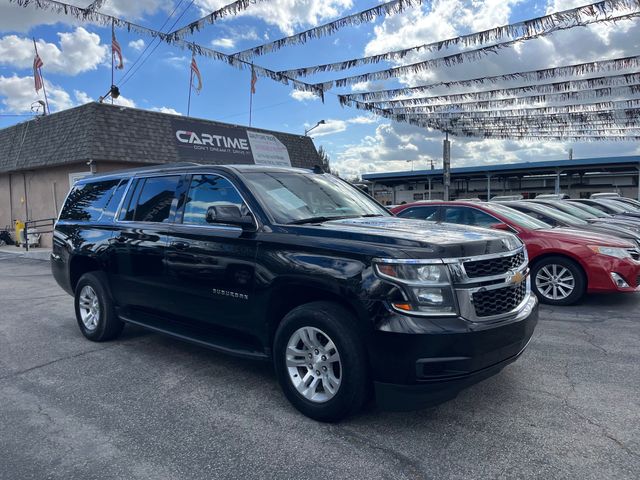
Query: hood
[424,239]
[585,237]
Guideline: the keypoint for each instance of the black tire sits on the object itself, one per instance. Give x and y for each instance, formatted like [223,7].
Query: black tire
[340,325]
[538,273]
[108,325]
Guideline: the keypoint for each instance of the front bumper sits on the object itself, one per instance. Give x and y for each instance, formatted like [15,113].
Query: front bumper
[431,362]
[600,268]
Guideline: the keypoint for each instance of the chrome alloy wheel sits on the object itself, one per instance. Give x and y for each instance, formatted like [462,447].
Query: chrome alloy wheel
[313,363]
[555,282]
[89,307]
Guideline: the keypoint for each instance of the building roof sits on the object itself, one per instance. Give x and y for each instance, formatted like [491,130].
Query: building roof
[525,168]
[105,132]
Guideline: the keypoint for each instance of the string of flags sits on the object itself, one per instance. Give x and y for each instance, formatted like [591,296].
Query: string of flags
[524,111]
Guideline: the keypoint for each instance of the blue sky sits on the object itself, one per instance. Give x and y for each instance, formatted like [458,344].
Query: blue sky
[77,70]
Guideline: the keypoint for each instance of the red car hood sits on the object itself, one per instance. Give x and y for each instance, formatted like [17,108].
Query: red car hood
[583,236]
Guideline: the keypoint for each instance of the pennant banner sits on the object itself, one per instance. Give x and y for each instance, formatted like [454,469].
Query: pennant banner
[530,76]
[532,28]
[366,16]
[542,89]
[231,9]
[84,14]
[578,96]
[446,61]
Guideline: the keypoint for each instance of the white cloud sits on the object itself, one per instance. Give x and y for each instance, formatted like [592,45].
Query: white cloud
[14,18]
[137,45]
[394,146]
[330,127]
[287,15]
[223,42]
[79,51]
[17,94]
[166,110]
[363,119]
[303,96]
[123,102]
[82,97]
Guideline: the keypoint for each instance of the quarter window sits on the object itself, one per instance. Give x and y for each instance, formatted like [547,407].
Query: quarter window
[208,191]
[87,201]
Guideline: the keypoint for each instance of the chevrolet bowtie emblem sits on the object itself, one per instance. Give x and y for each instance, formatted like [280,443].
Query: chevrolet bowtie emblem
[516,278]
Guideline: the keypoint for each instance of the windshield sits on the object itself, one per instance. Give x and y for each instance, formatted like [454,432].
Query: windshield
[611,205]
[627,207]
[557,215]
[570,209]
[300,197]
[588,208]
[520,219]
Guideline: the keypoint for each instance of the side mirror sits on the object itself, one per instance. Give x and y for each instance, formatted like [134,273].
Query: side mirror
[229,215]
[501,226]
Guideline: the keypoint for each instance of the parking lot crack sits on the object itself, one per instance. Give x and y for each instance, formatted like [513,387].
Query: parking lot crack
[57,360]
[590,421]
[591,341]
[412,467]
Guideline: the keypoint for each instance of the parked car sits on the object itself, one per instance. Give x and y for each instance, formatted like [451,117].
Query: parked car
[565,263]
[556,218]
[592,215]
[604,195]
[608,206]
[301,269]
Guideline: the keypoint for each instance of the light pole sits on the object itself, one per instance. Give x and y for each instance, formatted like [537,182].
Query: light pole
[321,122]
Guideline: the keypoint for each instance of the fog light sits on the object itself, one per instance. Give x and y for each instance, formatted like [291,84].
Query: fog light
[619,281]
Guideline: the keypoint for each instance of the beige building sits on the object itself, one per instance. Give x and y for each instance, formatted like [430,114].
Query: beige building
[41,158]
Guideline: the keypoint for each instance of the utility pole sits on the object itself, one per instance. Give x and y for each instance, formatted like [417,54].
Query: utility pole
[446,166]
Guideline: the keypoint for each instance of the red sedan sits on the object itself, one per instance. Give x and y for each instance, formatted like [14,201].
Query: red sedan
[565,263]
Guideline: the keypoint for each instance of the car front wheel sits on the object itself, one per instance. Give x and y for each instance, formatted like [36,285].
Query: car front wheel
[558,281]
[320,361]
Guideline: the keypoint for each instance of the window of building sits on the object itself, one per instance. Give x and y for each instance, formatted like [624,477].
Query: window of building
[208,191]
[87,201]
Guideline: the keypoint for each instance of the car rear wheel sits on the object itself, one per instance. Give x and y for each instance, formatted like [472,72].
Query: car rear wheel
[558,281]
[320,361]
[94,309]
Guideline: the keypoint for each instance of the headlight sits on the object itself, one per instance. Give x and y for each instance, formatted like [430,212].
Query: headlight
[427,287]
[611,251]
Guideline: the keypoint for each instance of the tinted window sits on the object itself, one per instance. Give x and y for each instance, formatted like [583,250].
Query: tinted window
[156,196]
[208,191]
[114,201]
[87,201]
[469,216]
[422,213]
[129,207]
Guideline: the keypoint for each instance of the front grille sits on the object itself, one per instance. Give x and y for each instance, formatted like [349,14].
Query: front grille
[493,266]
[500,300]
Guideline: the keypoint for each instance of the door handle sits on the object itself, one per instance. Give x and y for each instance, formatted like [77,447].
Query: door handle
[180,245]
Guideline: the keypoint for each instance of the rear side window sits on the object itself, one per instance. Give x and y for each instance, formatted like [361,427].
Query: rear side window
[208,191]
[422,213]
[153,203]
[86,202]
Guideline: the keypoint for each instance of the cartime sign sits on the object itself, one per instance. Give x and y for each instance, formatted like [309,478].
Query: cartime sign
[222,144]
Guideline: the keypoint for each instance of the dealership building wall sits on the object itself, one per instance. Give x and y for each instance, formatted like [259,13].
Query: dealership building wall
[40,158]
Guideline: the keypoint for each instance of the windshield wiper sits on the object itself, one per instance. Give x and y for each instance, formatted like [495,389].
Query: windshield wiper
[319,219]
[368,215]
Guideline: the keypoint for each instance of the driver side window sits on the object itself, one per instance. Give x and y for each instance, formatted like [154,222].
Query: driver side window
[208,191]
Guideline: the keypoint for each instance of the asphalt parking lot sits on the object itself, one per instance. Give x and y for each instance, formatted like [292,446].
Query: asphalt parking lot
[149,407]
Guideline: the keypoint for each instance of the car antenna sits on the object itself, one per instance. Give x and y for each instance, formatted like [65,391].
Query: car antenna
[318,169]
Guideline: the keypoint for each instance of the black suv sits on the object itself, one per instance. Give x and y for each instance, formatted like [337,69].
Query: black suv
[300,268]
